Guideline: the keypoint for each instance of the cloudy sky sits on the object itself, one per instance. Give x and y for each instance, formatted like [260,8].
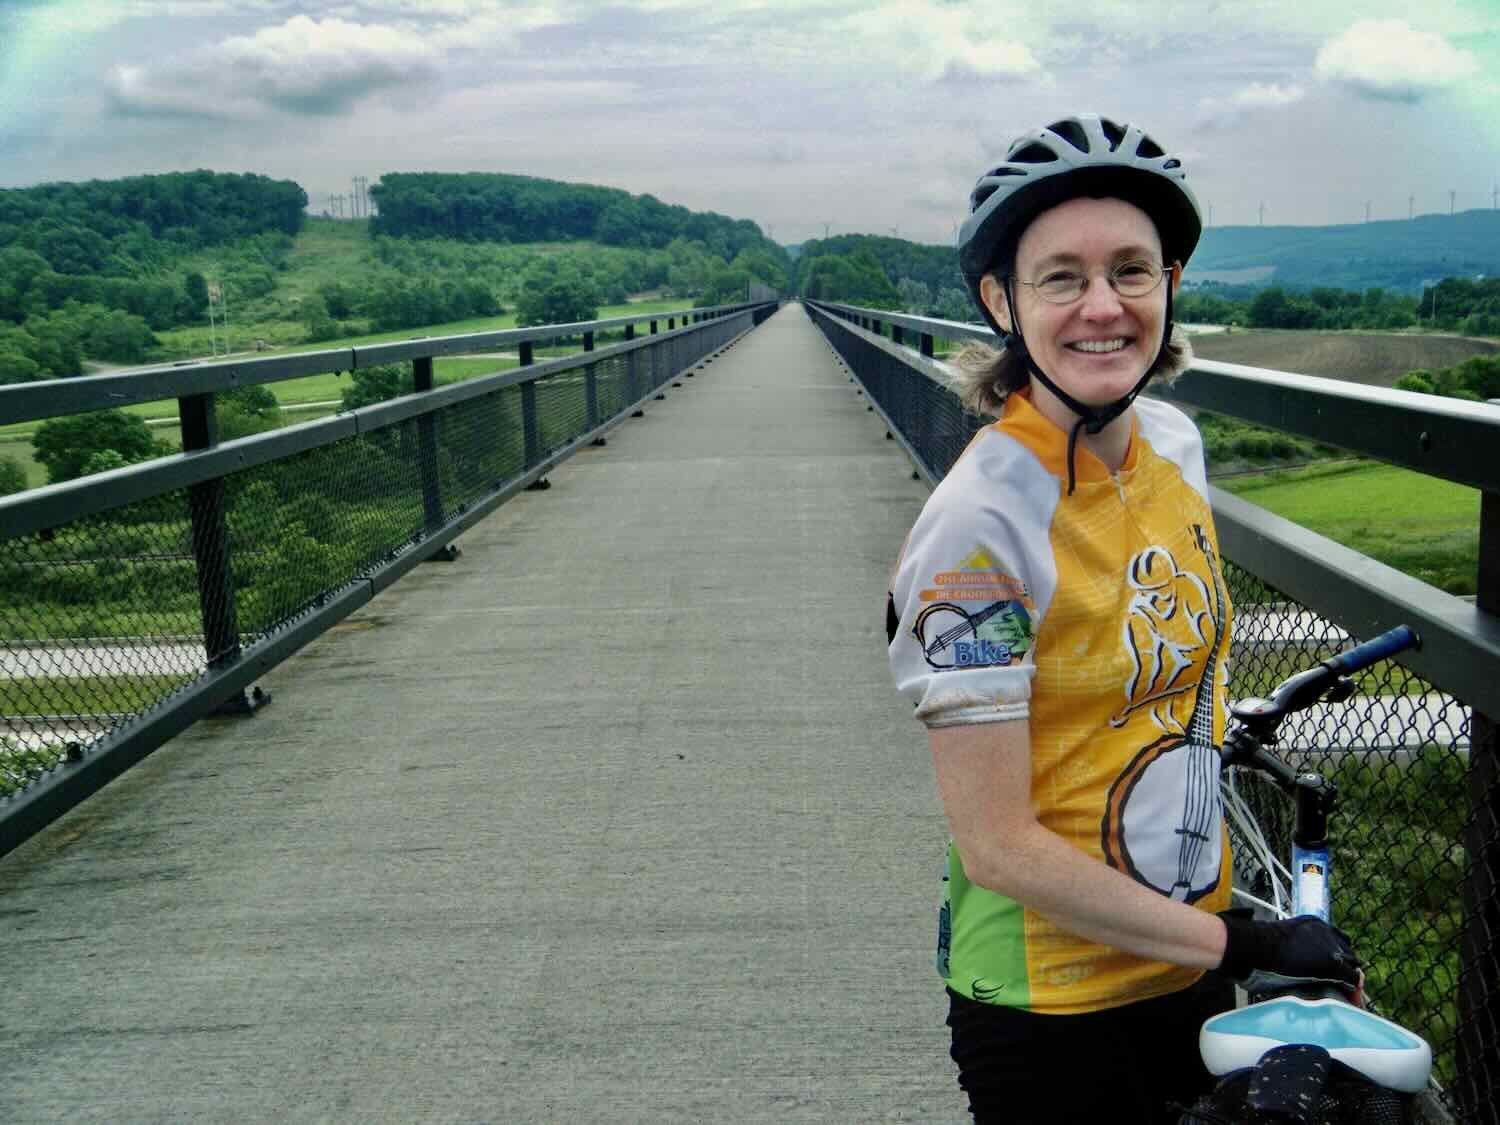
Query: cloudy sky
[871,116]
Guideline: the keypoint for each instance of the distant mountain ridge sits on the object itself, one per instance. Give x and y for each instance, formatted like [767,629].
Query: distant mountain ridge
[1400,255]
[1393,254]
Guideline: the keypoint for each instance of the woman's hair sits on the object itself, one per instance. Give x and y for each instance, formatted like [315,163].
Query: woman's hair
[982,376]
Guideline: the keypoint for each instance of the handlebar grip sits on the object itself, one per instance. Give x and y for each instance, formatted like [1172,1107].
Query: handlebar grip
[1376,649]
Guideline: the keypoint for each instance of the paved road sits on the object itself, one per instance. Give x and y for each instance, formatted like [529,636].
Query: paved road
[615,819]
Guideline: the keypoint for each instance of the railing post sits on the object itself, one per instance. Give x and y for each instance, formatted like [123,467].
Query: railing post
[588,341]
[926,344]
[210,535]
[653,328]
[526,353]
[630,332]
[1479,973]
[897,336]
[432,485]
[671,323]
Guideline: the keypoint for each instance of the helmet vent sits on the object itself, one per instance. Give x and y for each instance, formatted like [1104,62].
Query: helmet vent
[1113,132]
[1173,163]
[1149,149]
[1033,154]
[1073,133]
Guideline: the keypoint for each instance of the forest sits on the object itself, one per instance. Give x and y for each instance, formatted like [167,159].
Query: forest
[94,271]
[91,269]
[506,208]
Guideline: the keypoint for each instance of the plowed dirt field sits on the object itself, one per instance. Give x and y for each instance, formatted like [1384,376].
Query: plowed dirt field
[1376,358]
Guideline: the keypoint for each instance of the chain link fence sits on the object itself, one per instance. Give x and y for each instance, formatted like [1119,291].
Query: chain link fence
[1409,825]
[107,618]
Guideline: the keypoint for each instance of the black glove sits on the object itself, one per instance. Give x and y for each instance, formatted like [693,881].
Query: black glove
[1304,950]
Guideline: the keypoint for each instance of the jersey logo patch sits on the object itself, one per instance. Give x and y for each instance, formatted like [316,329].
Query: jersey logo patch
[974,616]
[950,637]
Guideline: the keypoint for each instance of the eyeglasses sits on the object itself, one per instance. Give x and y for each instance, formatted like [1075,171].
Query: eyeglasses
[1134,278]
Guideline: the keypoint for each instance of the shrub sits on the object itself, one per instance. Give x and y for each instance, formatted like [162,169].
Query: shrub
[12,476]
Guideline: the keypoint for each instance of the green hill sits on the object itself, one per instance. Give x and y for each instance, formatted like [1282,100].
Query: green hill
[1394,254]
[508,208]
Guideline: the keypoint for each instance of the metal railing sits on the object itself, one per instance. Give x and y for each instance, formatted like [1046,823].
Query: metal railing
[135,601]
[1419,832]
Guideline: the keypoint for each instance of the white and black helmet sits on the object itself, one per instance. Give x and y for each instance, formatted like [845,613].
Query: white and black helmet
[1083,155]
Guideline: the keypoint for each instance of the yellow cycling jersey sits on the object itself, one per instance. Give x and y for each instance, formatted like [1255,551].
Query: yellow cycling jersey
[1101,620]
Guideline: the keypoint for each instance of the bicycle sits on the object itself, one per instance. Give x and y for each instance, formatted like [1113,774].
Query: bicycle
[1296,1053]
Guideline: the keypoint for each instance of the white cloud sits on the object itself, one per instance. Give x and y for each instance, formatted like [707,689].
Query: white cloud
[1267,94]
[303,66]
[1216,113]
[1392,60]
[936,41]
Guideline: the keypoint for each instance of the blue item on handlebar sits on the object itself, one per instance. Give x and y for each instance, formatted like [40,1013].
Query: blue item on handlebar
[1375,650]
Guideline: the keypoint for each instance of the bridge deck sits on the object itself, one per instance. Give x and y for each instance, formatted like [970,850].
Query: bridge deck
[615,819]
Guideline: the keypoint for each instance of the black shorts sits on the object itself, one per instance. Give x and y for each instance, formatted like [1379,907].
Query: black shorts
[1126,1064]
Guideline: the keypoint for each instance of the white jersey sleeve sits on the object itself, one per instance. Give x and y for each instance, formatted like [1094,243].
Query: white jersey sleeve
[972,585]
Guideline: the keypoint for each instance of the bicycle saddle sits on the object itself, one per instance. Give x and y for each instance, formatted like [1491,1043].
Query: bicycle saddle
[1384,1052]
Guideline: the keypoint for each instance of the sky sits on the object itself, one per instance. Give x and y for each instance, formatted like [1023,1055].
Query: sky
[809,117]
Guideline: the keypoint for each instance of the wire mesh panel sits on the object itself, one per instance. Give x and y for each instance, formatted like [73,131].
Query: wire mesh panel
[100,620]
[304,527]
[105,618]
[936,427]
[1398,751]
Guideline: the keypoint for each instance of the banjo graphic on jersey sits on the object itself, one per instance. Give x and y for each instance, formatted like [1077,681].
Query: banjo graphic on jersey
[1173,626]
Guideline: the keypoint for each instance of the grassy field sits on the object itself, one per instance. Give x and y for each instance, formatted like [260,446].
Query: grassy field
[15,440]
[1375,358]
[1425,527]
[285,337]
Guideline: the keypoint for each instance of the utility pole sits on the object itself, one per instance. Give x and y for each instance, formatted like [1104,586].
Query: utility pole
[1263,214]
[213,297]
[1411,205]
[825,229]
[1210,214]
[1367,210]
[1495,198]
[1452,197]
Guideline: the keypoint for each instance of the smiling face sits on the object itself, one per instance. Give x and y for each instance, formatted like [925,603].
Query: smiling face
[1097,347]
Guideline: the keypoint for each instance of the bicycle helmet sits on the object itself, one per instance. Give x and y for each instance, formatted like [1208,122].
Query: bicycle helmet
[1084,155]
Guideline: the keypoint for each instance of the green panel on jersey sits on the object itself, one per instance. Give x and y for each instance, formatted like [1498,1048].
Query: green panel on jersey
[987,958]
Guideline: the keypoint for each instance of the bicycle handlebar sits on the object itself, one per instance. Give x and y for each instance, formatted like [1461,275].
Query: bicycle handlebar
[1373,651]
[1325,681]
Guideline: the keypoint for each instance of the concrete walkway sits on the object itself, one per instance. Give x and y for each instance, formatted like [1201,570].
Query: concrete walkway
[617,818]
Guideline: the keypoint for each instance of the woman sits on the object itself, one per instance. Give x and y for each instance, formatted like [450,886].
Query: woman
[1059,619]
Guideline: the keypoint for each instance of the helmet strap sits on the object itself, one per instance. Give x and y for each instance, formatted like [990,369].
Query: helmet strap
[1091,419]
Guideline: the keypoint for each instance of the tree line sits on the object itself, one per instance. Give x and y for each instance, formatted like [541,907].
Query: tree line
[94,268]
[1274,306]
[508,208]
